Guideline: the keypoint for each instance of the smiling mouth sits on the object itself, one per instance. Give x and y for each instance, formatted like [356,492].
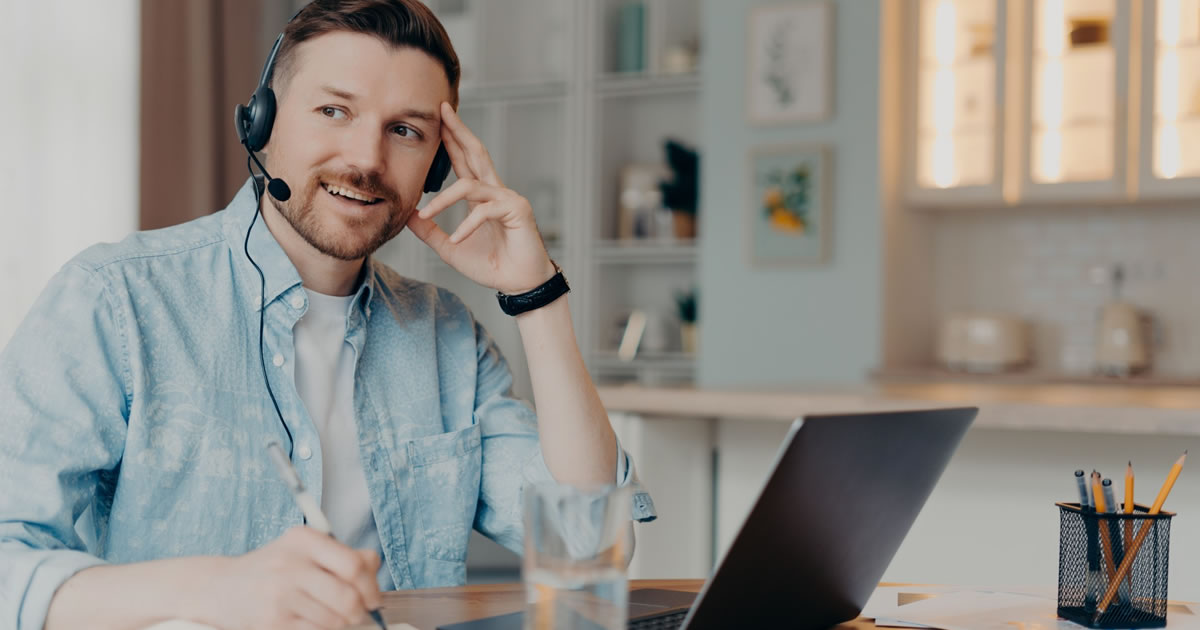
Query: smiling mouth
[350,194]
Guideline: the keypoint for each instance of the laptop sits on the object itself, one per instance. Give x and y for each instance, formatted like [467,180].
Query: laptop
[842,494]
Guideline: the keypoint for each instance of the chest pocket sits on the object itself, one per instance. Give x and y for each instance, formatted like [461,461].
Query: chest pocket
[446,469]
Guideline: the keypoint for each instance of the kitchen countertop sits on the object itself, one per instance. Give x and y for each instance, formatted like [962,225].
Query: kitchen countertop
[1049,407]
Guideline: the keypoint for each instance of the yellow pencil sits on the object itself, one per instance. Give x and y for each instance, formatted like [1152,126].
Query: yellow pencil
[1130,554]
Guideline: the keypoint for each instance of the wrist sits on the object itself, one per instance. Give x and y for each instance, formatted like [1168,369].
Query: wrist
[548,271]
[538,297]
[197,598]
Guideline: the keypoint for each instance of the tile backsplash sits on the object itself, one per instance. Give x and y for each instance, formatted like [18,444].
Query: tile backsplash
[1050,268]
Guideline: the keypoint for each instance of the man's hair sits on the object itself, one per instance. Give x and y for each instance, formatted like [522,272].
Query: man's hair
[401,23]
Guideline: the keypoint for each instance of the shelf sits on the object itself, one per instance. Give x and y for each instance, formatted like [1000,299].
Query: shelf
[940,375]
[647,251]
[615,84]
[511,92]
[1181,46]
[658,361]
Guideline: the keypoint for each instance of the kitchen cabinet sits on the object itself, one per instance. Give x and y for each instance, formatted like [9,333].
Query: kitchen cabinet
[1170,64]
[1029,102]
[957,65]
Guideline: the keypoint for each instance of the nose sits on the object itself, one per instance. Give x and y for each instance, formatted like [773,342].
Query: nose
[364,148]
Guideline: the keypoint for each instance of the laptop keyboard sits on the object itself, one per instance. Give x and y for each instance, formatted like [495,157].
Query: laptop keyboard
[665,622]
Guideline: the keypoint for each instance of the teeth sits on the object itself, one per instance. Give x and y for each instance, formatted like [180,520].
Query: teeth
[345,192]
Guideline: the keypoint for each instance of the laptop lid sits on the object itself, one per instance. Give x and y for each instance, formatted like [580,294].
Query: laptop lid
[841,496]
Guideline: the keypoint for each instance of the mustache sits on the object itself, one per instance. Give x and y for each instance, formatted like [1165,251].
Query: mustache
[369,183]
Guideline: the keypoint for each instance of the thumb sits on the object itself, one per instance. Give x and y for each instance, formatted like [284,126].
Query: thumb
[429,232]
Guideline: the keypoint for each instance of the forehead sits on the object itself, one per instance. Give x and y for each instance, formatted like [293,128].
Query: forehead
[370,68]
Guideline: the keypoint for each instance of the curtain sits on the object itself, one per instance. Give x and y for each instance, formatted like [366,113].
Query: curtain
[200,58]
[68,138]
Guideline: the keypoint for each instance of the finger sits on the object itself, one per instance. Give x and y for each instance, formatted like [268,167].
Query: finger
[469,189]
[481,214]
[342,599]
[458,155]
[350,567]
[430,233]
[372,558]
[476,153]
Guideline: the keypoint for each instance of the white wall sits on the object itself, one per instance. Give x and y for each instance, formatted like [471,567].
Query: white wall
[69,124]
[814,325]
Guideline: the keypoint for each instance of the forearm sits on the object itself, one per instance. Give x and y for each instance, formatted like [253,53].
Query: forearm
[117,597]
[577,440]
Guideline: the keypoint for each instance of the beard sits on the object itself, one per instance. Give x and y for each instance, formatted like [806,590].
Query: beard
[362,236]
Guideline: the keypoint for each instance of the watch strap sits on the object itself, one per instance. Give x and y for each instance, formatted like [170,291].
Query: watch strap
[540,296]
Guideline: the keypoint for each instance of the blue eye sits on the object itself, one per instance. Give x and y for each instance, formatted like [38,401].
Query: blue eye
[332,112]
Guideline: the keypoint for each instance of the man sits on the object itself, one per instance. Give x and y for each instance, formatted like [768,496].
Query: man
[136,487]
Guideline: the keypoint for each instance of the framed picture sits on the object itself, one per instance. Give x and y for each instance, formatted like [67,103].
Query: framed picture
[789,62]
[789,220]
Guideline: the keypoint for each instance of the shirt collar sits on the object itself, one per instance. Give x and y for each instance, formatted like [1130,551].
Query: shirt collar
[280,274]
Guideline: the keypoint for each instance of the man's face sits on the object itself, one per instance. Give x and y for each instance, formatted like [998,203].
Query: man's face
[358,119]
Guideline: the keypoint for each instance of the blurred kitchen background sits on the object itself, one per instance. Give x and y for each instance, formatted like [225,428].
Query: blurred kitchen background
[929,200]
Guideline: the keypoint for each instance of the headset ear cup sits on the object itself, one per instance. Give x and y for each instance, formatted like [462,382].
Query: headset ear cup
[439,170]
[260,117]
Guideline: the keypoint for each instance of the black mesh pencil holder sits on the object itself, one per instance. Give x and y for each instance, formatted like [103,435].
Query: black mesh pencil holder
[1095,548]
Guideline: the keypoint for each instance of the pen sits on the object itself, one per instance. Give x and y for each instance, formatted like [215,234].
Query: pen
[308,505]
[1115,547]
[1102,507]
[1083,493]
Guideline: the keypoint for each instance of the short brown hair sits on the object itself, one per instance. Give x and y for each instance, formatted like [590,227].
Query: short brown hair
[401,23]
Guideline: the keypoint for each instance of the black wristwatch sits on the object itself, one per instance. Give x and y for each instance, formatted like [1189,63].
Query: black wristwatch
[549,291]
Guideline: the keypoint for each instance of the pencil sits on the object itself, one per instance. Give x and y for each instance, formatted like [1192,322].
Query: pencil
[307,504]
[1131,553]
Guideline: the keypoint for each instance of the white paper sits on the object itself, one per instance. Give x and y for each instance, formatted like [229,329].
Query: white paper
[1024,608]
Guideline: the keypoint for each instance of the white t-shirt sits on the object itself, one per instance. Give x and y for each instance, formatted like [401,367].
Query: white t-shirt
[325,381]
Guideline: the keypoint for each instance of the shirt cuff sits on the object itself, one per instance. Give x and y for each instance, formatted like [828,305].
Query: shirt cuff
[643,506]
[42,572]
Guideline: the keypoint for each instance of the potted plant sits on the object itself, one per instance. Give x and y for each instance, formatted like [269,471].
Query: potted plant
[681,193]
[686,303]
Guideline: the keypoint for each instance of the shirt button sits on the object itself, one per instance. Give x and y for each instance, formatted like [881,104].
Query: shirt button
[297,302]
[278,360]
[304,452]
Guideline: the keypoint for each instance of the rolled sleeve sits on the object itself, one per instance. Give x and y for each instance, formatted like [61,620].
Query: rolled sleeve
[643,505]
[35,576]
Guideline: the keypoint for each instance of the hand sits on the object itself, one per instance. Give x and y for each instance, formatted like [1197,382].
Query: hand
[498,244]
[304,579]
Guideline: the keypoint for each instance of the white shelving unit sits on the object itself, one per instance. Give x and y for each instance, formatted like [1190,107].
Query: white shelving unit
[542,91]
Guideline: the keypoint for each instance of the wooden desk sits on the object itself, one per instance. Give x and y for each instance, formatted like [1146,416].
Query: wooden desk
[427,609]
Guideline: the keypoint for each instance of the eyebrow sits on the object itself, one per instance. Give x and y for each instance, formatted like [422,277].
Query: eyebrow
[408,113]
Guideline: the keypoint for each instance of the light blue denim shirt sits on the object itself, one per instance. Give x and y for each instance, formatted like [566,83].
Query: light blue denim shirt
[135,417]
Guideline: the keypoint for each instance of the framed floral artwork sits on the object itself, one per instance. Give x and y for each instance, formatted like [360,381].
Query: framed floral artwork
[789,61]
[789,218]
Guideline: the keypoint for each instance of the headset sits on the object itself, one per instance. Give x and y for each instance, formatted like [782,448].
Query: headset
[253,122]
